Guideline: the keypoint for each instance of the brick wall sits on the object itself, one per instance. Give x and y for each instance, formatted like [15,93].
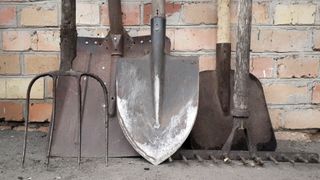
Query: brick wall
[285,49]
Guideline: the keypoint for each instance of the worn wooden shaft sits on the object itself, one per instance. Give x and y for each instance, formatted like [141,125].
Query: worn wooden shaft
[240,97]
[223,55]
[223,33]
[158,8]
[115,16]
[68,34]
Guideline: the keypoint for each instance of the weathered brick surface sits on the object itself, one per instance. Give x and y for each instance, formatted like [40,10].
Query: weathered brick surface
[302,119]
[39,15]
[195,39]
[8,16]
[298,67]
[199,13]
[40,112]
[316,93]
[286,93]
[16,40]
[16,88]
[280,40]
[295,14]
[262,67]
[130,16]
[88,14]
[11,111]
[46,41]
[9,64]
[40,63]
[285,47]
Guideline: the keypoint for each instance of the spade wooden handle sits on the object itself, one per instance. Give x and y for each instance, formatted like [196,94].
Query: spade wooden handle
[223,21]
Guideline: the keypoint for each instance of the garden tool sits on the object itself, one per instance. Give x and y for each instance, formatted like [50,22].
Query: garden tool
[245,133]
[215,120]
[102,53]
[68,52]
[157,95]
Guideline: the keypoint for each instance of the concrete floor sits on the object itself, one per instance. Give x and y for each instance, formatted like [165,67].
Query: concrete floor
[137,168]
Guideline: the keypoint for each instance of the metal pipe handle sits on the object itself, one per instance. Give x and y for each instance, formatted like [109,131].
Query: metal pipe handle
[158,8]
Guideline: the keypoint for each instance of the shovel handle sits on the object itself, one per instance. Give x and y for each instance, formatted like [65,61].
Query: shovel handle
[115,16]
[158,8]
[223,34]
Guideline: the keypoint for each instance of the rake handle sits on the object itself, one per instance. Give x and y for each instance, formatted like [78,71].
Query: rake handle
[240,97]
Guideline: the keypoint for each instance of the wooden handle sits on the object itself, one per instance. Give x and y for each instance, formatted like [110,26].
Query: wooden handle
[223,21]
[158,8]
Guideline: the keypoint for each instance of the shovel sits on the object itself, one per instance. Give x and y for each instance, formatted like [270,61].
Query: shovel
[215,120]
[157,96]
[97,55]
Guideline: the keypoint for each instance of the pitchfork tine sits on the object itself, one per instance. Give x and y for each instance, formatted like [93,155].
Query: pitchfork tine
[80,119]
[53,118]
[27,116]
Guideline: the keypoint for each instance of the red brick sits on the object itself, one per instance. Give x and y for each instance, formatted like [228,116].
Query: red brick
[260,13]
[46,41]
[9,64]
[286,94]
[198,13]
[8,16]
[40,112]
[11,111]
[207,62]
[40,63]
[171,8]
[195,39]
[316,93]
[280,40]
[130,16]
[298,67]
[16,40]
[39,15]
[262,67]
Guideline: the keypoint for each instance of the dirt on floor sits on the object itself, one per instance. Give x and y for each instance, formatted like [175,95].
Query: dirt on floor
[137,168]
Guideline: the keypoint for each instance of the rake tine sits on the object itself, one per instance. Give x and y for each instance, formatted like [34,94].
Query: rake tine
[199,158]
[300,158]
[273,160]
[258,161]
[287,159]
[243,160]
[80,119]
[184,159]
[226,159]
[53,118]
[214,160]
[314,159]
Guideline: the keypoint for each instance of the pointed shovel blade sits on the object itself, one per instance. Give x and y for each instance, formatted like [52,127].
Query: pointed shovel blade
[156,136]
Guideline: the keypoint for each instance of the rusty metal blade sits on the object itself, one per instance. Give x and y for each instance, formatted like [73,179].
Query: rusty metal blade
[157,138]
[213,125]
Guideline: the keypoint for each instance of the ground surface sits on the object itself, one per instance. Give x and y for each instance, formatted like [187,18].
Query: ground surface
[135,168]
